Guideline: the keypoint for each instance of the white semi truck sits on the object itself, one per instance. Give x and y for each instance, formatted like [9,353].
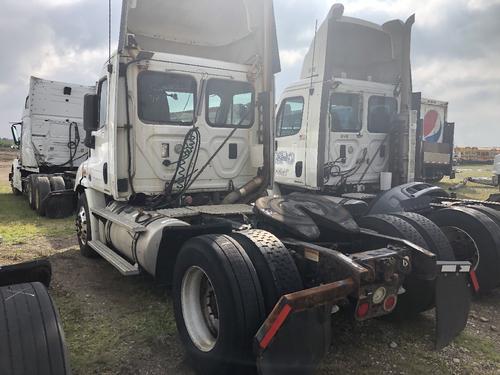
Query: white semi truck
[349,132]
[51,148]
[181,141]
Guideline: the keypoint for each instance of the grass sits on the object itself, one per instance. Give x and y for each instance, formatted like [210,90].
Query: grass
[18,223]
[471,190]
[104,334]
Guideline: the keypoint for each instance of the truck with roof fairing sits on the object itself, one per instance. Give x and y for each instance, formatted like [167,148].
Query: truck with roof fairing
[178,185]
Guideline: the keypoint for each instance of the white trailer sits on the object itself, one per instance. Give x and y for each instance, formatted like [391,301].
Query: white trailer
[434,156]
[50,142]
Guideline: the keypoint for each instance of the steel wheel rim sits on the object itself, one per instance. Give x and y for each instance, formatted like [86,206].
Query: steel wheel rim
[81,225]
[200,309]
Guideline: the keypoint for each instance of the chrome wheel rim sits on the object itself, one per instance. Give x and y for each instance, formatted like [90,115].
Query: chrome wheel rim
[200,309]
[81,225]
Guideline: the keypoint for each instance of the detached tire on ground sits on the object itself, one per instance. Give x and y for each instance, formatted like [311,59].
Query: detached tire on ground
[275,267]
[419,295]
[475,237]
[218,304]
[31,336]
[83,227]
[42,189]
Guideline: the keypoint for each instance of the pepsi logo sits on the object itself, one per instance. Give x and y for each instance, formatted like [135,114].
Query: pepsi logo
[433,127]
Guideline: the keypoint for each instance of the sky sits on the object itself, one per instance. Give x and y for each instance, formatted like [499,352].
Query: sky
[455,50]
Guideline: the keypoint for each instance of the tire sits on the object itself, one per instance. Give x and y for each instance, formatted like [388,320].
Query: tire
[434,237]
[42,189]
[483,233]
[57,183]
[219,340]
[83,227]
[419,295]
[30,186]
[431,233]
[275,267]
[31,336]
[490,212]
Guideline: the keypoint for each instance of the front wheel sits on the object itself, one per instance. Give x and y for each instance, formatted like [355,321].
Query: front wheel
[218,304]
[83,230]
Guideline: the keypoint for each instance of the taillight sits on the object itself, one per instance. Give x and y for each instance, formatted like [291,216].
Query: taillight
[390,303]
[362,310]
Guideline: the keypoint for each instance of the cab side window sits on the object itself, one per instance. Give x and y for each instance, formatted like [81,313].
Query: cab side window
[103,103]
[289,119]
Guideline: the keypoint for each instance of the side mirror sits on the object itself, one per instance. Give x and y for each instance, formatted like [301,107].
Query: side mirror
[15,134]
[90,121]
[90,118]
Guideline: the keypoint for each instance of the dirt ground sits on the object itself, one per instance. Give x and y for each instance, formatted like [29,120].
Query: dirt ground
[118,325]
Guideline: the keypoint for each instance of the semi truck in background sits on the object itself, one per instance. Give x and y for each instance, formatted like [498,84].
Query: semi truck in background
[50,142]
[180,131]
[435,140]
[348,132]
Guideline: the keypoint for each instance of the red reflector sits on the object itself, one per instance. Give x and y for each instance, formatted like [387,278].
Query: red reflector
[362,310]
[280,319]
[390,303]
[473,279]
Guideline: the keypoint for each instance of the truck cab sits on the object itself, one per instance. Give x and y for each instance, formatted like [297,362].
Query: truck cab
[336,127]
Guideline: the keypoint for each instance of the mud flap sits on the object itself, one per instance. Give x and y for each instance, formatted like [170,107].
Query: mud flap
[299,345]
[453,301]
[59,204]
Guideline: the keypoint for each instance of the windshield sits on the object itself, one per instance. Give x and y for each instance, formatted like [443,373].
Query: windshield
[382,111]
[345,113]
[166,98]
[230,103]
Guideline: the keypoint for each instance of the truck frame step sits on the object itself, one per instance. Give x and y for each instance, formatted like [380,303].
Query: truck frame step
[117,219]
[120,263]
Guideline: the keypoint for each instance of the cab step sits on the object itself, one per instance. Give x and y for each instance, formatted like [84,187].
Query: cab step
[120,263]
[117,219]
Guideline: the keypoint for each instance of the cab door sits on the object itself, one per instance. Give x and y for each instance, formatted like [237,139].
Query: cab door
[291,128]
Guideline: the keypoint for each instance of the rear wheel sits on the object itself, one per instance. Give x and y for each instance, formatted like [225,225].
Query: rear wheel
[30,190]
[57,183]
[274,264]
[475,237]
[218,304]
[31,336]
[42,189]
[419,295]
[83,230]
[434,237]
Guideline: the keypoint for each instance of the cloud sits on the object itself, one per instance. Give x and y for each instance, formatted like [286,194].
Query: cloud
[63,40]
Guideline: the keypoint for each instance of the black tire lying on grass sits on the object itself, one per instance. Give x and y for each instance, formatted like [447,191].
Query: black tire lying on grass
[218,304]
[419,295]
[31,336]
[274,265]
[465,225]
